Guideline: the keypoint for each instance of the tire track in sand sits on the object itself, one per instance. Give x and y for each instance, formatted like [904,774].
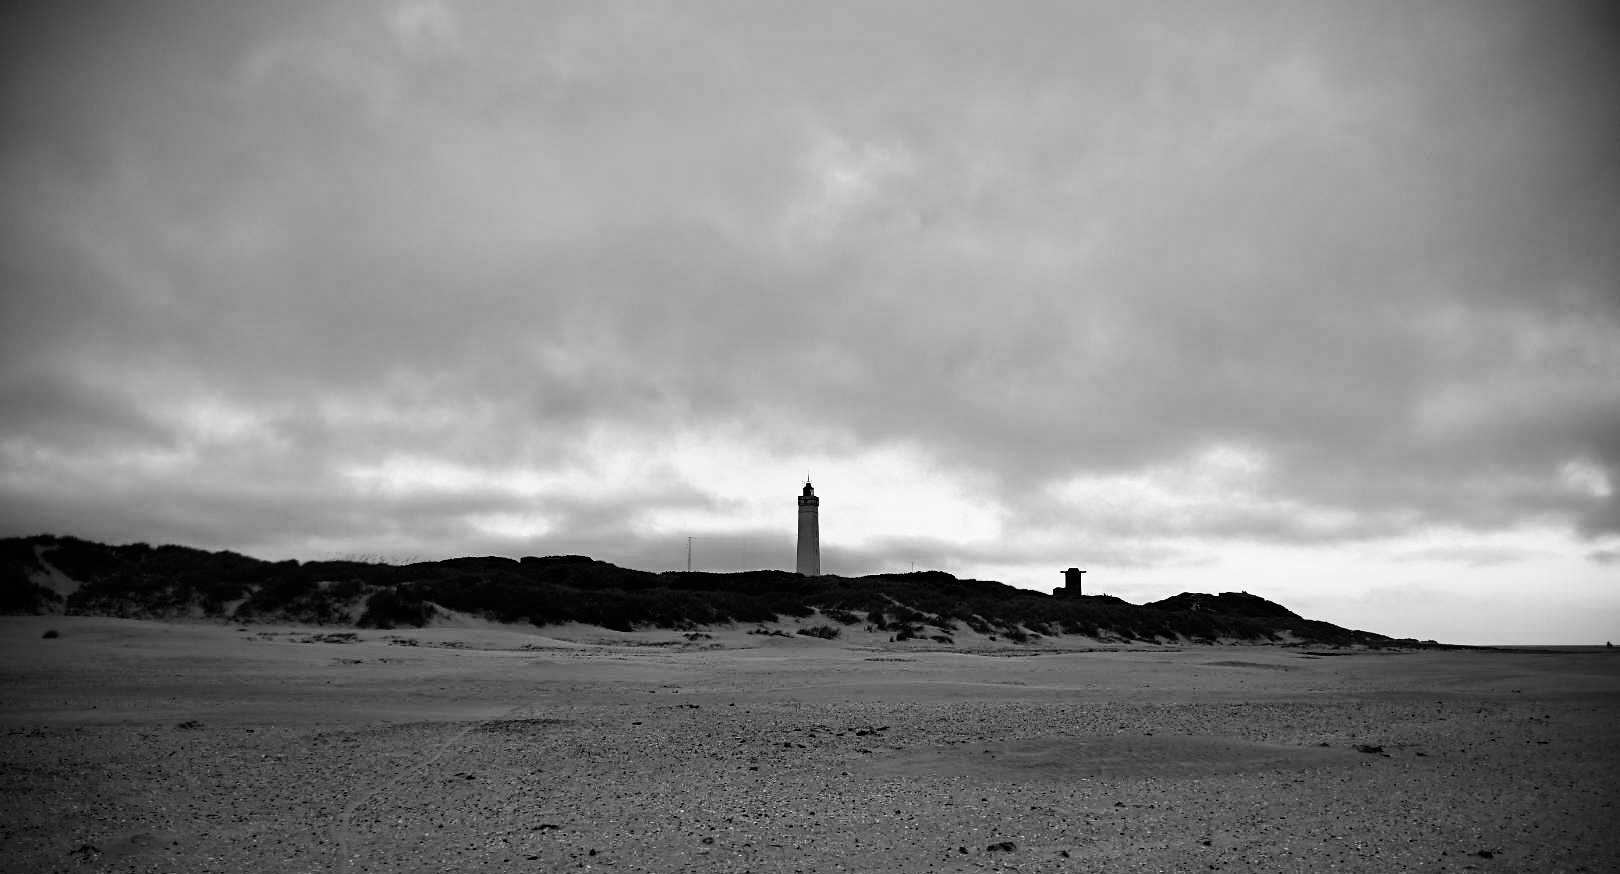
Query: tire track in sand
[343,835]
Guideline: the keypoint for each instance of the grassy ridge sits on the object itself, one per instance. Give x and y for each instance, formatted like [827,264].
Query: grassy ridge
[138,580]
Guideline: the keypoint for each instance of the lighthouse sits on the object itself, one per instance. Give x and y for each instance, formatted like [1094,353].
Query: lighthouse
[809,532]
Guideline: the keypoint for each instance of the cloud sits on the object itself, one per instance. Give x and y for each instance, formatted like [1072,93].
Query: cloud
[1134,283]
[1474,556]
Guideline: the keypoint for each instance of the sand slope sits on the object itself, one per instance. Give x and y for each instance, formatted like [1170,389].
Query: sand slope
[136,746]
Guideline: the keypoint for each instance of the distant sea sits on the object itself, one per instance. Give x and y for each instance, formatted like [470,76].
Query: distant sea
[1557,648]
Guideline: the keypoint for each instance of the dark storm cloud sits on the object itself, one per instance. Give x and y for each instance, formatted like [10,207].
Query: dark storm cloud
[250,252]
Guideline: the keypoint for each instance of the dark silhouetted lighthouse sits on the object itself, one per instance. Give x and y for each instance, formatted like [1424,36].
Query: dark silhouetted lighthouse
[809,532]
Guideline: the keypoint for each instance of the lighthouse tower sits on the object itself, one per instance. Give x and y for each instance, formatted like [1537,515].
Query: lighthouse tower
[809,532]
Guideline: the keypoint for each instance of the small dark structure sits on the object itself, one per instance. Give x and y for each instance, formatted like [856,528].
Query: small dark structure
[1071,583]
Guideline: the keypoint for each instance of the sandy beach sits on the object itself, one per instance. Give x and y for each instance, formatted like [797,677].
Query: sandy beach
[145,746]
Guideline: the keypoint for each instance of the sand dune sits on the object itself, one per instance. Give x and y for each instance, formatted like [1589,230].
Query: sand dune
[135,746]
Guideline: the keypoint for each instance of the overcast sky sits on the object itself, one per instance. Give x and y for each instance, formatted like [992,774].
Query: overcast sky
[1319,301]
